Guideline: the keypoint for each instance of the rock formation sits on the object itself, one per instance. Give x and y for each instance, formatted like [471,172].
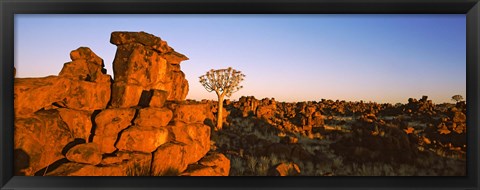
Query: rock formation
[144,62]
[83,123]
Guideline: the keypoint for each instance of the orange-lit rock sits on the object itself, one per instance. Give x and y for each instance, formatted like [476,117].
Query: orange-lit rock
[158,98]
[39,141]
[219,162]
[146,39]
[145,61]
[177,86]
[90,87]
[85,153]
[79,122]
[125,95]
[142,139]
[133,164]
[84,95]
[317,119]
[139,65]
[174,57]
[85,66]
[409,130]
[195,136]
[285,169]
[33,94]
[85,53]
[459,117]
[153,117]
[266,112]
[109,123]
[200,170]
[170,157]
[191,113]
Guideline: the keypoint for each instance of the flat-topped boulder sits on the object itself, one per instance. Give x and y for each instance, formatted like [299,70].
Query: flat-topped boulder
[144,62]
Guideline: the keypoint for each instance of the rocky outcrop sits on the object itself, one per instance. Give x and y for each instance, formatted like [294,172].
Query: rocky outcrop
[420,107]
[451,131]
[81,85]
[144,62]
[110,123]
[90,125]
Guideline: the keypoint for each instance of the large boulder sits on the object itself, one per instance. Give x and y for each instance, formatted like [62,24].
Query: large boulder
[153,98]
[146,39]
[139,65]
[149,40]
[109,123]
[85,66]
[85,53]
[142,139]
[144,62]
[33,94]
[219,162]
[39,141]
[84,95]
[170,158]
[196,137]
[158,98]
[79,122]
[85,153]
[125,95]
[153,117]
[214,164]
[191,113]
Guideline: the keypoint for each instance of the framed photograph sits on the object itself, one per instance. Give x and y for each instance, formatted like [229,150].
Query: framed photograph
[321,94]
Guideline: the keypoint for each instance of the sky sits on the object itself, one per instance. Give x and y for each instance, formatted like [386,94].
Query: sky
[381,58]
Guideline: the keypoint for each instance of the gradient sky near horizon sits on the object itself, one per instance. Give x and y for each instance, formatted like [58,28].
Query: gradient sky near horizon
[381,58]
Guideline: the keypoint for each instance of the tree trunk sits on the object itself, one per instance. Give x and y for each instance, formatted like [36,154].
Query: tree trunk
[220,112]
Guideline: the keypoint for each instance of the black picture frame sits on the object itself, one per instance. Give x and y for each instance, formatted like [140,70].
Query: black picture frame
[8,8]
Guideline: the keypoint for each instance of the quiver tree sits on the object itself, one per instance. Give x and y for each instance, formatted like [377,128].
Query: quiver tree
[224,82]
[457,98]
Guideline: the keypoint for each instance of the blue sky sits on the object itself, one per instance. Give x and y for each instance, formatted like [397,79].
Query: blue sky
[382,58]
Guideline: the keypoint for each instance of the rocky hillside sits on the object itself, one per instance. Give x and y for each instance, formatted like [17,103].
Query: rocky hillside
[267,137]
[84,123]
